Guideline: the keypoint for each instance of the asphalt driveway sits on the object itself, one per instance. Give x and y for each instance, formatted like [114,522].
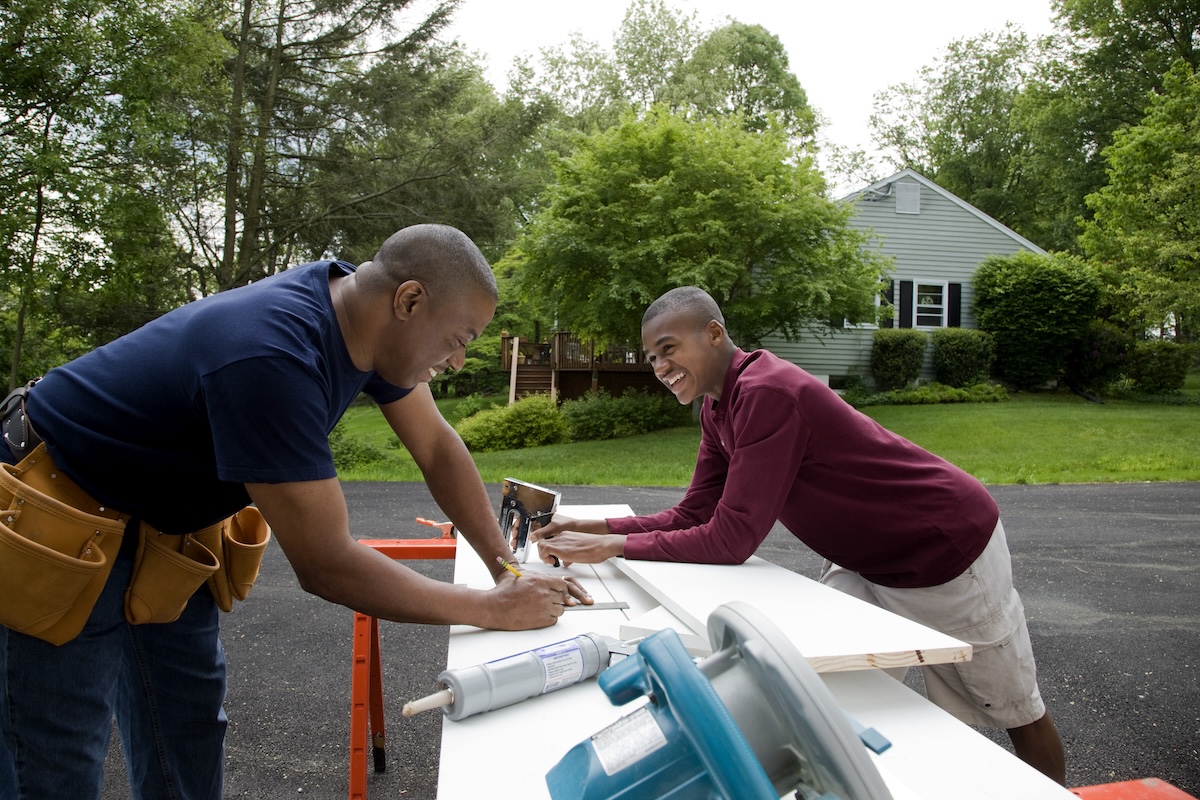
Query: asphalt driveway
[1109,575]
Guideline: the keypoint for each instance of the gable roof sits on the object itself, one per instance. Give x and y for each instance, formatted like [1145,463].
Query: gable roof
[883,188]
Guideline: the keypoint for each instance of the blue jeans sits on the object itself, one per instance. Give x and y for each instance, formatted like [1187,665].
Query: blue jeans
[164,684]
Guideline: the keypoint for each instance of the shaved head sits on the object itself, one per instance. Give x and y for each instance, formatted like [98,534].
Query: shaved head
[441,258]
[691,301]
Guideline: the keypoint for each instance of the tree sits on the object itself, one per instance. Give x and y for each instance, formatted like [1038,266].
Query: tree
[1093,83]
[1147,219]
[743,69]
[1125,50]
[68,75]
[265,131]
[661,201]
[662,56]
[958,126]
[595,85]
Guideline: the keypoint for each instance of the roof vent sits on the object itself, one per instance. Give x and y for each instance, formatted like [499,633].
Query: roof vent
[908,198]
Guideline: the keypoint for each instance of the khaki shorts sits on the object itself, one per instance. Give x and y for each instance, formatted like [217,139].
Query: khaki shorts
[998,686]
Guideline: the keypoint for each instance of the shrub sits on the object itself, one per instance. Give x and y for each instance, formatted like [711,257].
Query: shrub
[1098,357]
[962,356]
[934,393]
[349,453]
[1037,307]
[591,417]
[598,415]
[530,422]
[896,357]
[477,376]
[1159,367]
[930,394]
[471,405]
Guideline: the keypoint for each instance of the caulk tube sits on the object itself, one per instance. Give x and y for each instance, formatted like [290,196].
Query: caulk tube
[505,681]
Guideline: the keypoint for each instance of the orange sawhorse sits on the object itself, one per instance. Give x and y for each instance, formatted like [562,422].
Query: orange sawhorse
[366,675]
[1143,789]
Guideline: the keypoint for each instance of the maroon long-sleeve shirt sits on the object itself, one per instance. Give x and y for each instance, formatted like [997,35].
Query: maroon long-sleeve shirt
[780,445]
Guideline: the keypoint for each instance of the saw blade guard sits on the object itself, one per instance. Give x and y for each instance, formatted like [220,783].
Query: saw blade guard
[802,737]
[753,721]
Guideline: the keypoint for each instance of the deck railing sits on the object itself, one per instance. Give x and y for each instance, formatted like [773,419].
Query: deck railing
[565,351]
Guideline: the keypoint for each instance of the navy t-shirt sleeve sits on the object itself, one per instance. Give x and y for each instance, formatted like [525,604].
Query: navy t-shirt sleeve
[270,422]
[383,392]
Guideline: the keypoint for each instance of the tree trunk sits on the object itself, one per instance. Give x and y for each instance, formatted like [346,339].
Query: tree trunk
[248,254]
[30,277]
[233,151]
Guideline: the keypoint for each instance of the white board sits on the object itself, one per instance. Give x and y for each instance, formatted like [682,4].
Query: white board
[832,630]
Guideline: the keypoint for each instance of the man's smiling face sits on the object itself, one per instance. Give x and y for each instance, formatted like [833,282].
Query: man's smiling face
[688,356]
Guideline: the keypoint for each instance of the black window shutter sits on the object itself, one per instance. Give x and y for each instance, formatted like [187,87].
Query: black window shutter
[904,310]
[954,308]
[889,295]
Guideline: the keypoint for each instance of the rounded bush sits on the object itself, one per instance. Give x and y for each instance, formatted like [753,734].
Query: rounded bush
[599,415]
[962,356]
[530,422]
[1037,307]
[1159,367]
[1098,358]
[896,357]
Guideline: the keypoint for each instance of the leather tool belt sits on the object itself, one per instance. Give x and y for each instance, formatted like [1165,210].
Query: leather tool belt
[58,544]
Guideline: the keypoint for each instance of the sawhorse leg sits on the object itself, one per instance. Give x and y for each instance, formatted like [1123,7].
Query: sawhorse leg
[366,704]
[366,671]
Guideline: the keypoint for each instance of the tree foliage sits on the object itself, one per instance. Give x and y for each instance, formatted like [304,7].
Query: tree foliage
[958,124]
[661,201]
[71,158]
[1147,218]
[154,151]
[662,56]
[743,70]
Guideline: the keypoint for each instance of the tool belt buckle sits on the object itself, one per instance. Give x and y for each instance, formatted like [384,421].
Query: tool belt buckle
[15,427]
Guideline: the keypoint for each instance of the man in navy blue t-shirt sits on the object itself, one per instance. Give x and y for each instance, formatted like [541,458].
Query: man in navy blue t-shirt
[223,402]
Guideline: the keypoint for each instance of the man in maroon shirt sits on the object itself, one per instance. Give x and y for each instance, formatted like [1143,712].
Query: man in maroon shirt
[898,526]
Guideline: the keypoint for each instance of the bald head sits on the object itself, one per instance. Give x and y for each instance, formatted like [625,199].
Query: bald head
[693,302]
[442,258]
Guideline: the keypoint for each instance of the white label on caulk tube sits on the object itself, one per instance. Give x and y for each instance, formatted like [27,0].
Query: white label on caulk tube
[562,664]
[628,740]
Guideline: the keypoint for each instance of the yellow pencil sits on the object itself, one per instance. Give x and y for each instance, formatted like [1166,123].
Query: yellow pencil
[508,566]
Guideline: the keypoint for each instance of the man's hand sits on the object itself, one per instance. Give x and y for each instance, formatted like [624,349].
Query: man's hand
[567,541]
[531,601]
[544,534]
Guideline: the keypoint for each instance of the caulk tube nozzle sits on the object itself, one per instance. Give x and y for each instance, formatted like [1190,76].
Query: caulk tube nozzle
[436,700]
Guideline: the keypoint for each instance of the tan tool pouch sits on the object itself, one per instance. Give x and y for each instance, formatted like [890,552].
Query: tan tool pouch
[57,546]
[167,571]
[240,542]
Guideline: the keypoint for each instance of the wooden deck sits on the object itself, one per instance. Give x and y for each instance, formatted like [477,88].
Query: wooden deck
[567,367]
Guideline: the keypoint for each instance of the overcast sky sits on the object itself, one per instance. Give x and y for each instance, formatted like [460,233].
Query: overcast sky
[842,51]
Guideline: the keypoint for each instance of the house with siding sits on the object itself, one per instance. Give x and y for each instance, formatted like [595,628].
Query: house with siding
[936,241]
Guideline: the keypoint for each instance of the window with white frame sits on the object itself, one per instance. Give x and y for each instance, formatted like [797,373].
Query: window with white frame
[929,305]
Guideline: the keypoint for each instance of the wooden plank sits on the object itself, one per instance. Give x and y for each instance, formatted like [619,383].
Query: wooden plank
[833,631]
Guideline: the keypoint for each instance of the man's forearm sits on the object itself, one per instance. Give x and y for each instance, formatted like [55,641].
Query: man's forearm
[458,490]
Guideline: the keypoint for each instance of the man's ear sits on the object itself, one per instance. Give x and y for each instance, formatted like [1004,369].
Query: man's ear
[409,297]
[716,332]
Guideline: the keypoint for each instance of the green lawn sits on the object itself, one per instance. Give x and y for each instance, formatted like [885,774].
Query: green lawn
[1033,438]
